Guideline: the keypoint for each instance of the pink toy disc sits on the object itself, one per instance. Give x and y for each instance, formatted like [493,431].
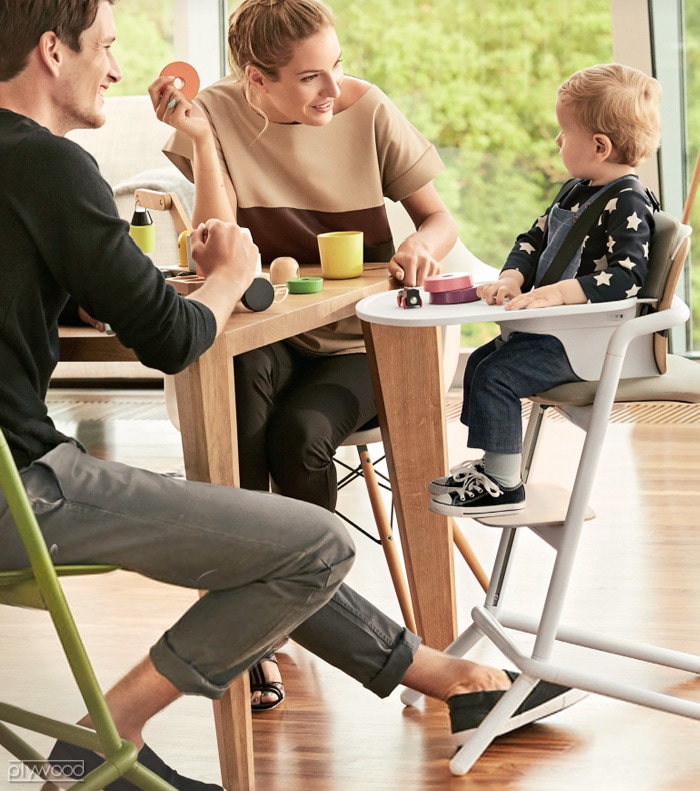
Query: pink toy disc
[451,281]
[186,78]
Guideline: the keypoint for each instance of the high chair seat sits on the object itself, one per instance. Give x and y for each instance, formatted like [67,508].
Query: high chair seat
[681,383]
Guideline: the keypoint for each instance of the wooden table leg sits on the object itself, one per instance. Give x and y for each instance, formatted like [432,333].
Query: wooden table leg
[407,376]
[207,409]
[234,736]
[206,405]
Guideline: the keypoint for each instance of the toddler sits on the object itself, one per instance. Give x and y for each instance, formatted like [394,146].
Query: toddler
[609,121]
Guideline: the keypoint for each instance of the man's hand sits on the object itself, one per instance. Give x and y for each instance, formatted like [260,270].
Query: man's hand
[222,248]
[226,258]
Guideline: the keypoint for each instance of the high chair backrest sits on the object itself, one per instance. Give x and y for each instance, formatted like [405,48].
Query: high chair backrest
[669,251]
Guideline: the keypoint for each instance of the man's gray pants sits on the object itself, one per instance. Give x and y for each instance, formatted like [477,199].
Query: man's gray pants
[272,567]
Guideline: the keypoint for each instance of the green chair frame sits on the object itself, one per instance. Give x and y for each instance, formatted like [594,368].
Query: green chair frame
[38,587]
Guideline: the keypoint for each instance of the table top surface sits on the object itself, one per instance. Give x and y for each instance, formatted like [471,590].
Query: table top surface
[335,300]
[373,277]
[383,309]
[299,313]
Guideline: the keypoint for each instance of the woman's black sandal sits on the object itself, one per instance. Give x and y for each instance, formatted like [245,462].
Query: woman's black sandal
[259,683]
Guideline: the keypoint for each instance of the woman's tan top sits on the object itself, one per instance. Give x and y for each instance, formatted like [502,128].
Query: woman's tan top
[295,181]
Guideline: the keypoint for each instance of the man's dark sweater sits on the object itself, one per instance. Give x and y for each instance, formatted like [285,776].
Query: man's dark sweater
[61,237]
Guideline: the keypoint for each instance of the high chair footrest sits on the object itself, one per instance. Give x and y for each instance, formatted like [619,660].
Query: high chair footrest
[545,504]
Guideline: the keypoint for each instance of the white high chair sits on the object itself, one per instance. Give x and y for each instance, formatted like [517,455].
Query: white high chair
[633,367]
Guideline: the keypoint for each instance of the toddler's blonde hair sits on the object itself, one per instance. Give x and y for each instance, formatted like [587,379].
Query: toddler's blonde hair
[621,102]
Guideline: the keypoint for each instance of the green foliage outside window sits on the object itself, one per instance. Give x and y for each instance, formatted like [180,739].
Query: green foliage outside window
[479,78]
[144,43]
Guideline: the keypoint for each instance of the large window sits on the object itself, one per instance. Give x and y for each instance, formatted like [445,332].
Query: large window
[479,78]
[144,43]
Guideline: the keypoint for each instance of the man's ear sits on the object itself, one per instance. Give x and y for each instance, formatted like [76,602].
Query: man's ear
[603,146]
[50,51]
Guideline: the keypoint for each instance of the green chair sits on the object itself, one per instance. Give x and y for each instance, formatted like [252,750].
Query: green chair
[38,587]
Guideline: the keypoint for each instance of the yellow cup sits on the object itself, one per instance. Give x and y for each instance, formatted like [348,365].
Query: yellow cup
[341,254]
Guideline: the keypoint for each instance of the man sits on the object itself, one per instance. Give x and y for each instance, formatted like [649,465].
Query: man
[272,566]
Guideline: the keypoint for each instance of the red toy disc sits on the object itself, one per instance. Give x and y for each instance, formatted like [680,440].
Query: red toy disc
[186,78]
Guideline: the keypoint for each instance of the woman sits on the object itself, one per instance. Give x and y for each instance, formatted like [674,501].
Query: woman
[290,147]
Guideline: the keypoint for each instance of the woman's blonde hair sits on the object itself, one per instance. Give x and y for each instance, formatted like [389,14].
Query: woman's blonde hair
[263,33]
[620,102]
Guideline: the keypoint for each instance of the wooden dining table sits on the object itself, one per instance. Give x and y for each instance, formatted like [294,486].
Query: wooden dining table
[407,377]
[206,407]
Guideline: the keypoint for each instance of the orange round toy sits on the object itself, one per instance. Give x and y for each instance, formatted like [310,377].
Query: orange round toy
[186,78]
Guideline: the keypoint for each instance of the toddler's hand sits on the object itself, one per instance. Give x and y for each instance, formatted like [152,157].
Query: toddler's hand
[497,293]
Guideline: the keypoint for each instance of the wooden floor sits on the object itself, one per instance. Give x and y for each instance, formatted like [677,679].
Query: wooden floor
[637,576]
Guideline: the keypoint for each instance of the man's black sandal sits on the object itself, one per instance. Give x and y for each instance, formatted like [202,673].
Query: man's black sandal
[468,711]
[64,752]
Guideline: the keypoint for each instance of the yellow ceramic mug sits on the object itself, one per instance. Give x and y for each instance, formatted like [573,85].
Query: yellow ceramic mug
[341,254]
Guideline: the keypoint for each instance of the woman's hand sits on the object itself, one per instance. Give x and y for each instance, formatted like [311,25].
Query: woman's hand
[172,108]
[436,232]
[412,263]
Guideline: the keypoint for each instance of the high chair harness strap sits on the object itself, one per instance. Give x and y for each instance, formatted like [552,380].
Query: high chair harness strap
[574,239]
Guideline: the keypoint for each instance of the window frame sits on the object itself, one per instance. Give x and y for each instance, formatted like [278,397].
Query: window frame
[200,35]
[649,34]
